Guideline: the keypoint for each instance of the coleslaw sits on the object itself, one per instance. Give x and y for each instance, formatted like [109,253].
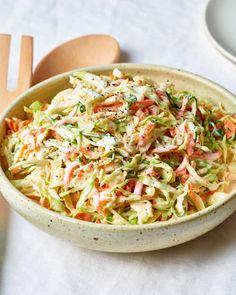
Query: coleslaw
[122,150]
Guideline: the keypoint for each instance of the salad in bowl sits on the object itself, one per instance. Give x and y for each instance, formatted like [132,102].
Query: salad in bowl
[121,149]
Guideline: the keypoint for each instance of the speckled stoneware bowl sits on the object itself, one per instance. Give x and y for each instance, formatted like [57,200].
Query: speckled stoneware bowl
[133,238]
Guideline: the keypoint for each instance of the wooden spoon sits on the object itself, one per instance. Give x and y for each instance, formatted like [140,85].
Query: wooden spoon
[80,52]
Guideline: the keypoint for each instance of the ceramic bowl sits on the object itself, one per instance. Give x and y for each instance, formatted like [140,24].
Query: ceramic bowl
[133,238]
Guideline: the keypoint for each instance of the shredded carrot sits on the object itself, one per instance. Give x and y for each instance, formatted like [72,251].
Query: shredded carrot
[196,199]
[69,172]
[165,149]
[107,107]
[53,134]
[141,104]
[129,186]
[183,107]
[145,134]
[84,216]
[231,128]
[12,125]
[181,170]
[88,152]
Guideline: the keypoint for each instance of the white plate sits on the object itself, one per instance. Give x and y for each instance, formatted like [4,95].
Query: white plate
[220,24]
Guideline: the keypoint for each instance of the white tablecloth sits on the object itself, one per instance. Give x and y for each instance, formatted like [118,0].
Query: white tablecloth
[158,32]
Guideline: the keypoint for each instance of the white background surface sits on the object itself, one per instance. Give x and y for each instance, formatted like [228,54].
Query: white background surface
[159,32]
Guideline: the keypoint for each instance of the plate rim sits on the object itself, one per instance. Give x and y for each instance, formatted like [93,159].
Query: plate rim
[211,38]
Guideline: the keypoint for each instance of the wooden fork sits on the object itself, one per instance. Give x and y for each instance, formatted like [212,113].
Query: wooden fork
[6,96]
[24,72]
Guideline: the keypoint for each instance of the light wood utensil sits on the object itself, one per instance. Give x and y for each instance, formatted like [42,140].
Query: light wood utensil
[84,51]
[23,83]
[25,68]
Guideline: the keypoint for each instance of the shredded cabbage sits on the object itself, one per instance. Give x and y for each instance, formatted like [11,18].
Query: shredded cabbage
[122,150]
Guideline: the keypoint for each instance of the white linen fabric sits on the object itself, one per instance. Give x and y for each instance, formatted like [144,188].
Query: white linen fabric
[158,32]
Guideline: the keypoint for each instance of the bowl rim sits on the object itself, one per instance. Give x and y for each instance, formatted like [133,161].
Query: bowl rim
[149,226]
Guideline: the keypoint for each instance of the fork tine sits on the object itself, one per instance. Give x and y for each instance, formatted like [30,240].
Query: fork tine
[26,63]
[5,42]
